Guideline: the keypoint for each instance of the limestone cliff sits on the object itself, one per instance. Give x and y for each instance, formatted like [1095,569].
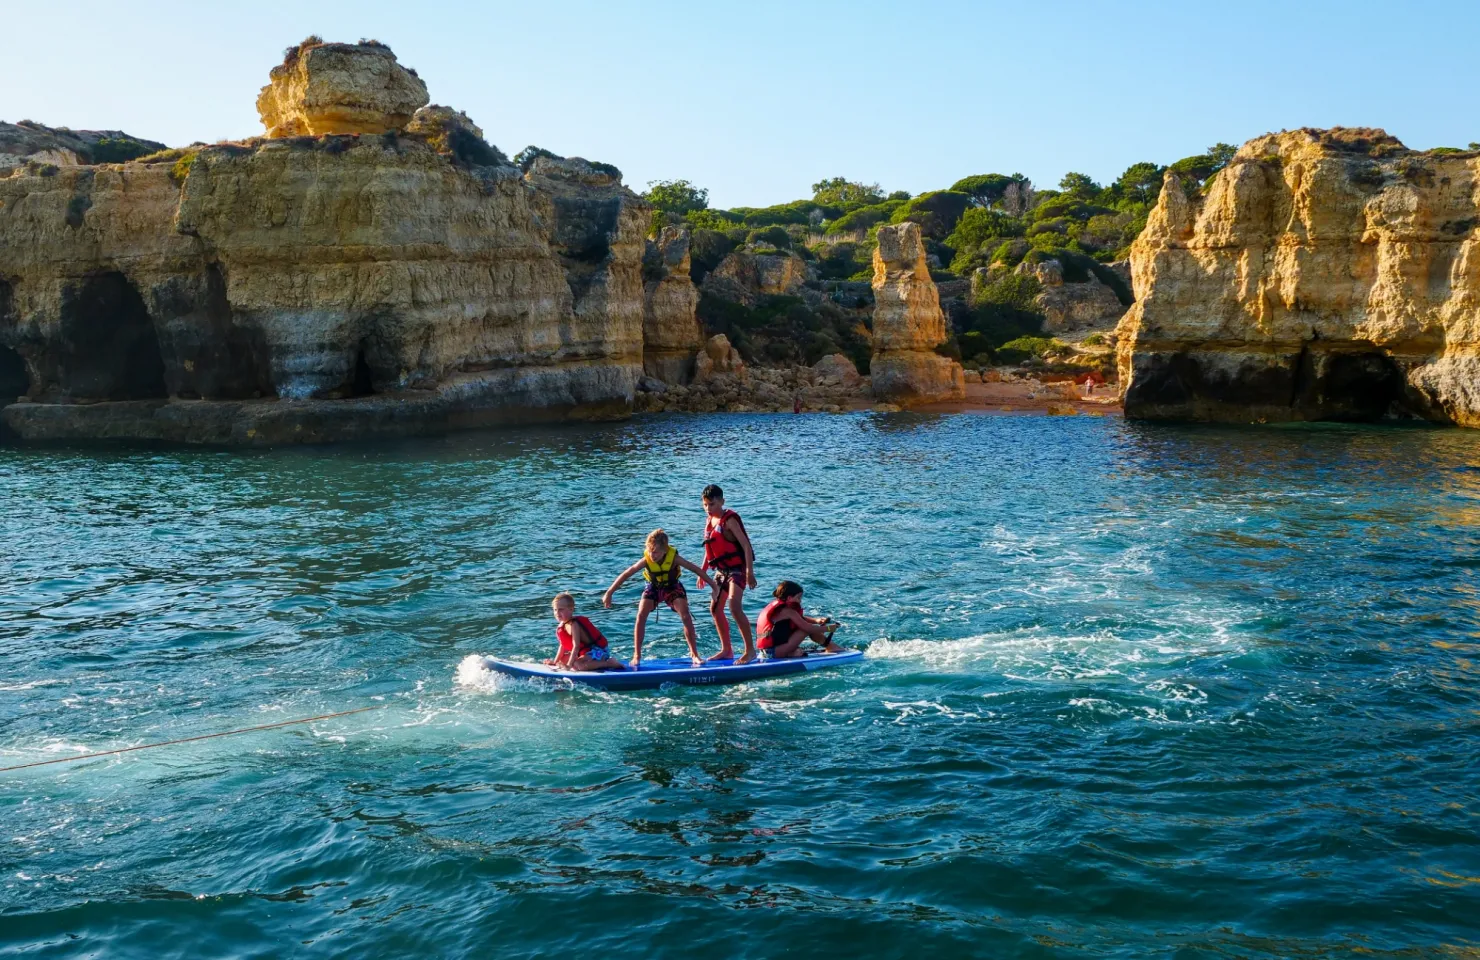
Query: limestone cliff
[670,325]
[1323,274]
[316,288]
[908,324]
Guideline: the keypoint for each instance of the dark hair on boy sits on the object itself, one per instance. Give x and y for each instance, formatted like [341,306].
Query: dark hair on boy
[713,492]
[787,588]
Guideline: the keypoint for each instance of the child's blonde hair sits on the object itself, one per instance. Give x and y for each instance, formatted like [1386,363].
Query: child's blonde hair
[657,540]
[563,600]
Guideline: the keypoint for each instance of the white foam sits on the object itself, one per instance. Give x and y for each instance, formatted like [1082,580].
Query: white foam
[474,673]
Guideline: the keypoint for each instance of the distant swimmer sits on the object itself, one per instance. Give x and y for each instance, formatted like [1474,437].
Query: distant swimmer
[661,566]
[582,647]
[782,628]
[729,557]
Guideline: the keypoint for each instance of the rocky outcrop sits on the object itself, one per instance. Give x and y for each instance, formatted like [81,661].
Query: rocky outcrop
[908,324]
[28,142]
[837,367]
[1323,274]
[719,359]
[670,325]
[316,288]
[763,390]
[1069,306]
[334,88]
[743,277]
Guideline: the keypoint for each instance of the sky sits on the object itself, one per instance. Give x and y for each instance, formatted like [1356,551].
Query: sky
[757,100]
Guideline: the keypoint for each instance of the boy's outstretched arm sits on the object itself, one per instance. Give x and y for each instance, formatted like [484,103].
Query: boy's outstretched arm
[623,577]
[698,571]
[743,538]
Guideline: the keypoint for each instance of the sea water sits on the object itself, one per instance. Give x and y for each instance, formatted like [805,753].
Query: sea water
[1130,691]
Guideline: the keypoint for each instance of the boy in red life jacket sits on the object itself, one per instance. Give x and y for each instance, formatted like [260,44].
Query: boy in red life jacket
[731,562]
[782,626]
[582,647]
[661,567]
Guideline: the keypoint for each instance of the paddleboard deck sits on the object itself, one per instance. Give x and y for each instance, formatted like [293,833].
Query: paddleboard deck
[680,670]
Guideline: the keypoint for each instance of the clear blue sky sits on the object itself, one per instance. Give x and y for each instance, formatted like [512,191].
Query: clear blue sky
[757,100]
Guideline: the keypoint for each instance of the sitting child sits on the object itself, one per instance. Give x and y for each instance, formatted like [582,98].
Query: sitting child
[782,627]
[582,647]
[660,566]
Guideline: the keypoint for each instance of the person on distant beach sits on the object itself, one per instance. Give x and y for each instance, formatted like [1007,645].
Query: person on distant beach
[582,647]
[727,552]
[782,627]
[661,567]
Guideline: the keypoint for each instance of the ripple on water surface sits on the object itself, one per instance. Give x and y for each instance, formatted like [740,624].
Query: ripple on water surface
[1131,691]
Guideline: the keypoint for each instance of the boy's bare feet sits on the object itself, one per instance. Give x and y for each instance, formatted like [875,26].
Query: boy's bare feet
[745,658]
[725,653]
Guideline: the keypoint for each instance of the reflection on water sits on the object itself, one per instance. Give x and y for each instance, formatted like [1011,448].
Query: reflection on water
[1131,691]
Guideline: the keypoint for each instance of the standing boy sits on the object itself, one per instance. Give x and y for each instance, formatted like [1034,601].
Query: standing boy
[731,562]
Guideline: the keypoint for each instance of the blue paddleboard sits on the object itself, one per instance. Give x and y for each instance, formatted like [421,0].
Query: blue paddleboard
[654,673]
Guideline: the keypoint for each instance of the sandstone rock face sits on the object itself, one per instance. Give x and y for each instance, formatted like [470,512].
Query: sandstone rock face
[315,289]
[1072,306]
[336,88]
[1323,275]
[743,277]
[670,324]
[719,359]
[908,324]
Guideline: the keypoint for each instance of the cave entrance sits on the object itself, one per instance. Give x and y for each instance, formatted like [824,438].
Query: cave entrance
[14,379]
[1357,382]
[362,384]
[109,349]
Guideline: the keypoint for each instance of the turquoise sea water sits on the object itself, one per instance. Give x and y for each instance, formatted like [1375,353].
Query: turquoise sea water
[1131,691]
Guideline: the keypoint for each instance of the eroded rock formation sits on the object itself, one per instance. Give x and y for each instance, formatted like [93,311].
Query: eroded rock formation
[317,288]
[329,88]
[744,277]
[908,324]
[1324,274]
[670,325]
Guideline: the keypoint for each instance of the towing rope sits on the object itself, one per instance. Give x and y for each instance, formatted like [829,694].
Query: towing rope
[204,736]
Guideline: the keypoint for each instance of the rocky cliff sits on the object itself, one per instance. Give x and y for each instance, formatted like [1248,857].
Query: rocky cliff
[318,287]
[670,325]
[1323,274]
[908,324]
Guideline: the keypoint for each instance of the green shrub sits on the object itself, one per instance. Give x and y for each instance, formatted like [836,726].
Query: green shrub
[181,168]
[979,227]
[119,150]
[842,192]
[864,217]
[937,213]
[772,236]
[676,196]
[706,249]
[1095,340]
[711,219]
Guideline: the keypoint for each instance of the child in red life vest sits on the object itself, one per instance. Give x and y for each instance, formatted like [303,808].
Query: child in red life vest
[582,647]
[782,626]
[661,567]
[731,562]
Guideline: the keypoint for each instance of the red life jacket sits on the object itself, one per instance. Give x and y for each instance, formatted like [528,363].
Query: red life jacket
[765,625]
[593,636]
[721,551]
